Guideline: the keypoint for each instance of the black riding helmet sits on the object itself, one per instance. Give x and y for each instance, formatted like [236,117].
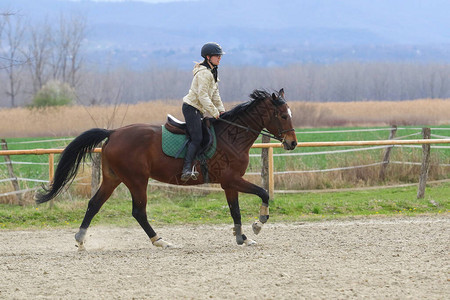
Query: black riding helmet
[211,49]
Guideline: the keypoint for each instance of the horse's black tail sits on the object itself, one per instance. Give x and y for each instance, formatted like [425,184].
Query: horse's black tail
[70,160]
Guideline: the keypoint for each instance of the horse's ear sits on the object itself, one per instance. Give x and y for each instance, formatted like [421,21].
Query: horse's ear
[274,97]
[281,93]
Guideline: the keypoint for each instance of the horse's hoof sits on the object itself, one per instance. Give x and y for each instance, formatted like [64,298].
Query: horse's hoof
[79,238]
[249,242]
[163,244]
[80,247]
[257,226]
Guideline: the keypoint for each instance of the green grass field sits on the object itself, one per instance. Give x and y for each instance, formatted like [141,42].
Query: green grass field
[167,207]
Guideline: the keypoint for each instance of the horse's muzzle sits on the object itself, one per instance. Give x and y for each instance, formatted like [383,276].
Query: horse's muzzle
[289,145]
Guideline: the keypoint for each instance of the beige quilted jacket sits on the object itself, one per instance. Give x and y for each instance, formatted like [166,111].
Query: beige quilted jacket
[204,92]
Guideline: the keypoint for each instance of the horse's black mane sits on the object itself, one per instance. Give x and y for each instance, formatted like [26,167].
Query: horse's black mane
[256,97]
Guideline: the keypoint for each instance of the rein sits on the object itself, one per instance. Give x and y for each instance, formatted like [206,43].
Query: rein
[265,132]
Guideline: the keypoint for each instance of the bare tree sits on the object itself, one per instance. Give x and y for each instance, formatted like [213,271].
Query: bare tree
[40,49]
[444,86]
[13,56]
[66,59]
[103,88]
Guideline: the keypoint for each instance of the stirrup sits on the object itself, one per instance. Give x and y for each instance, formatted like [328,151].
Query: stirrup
[190,175]
[194,173]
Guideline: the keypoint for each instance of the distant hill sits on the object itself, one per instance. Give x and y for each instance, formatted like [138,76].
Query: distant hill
[256,32]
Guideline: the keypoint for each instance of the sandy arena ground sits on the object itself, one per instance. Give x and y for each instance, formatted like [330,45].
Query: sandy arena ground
[406,258]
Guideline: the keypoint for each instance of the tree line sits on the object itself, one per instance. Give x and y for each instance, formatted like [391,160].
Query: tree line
[32,55]
[35,56]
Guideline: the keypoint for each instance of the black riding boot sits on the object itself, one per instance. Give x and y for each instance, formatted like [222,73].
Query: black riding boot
[188,171]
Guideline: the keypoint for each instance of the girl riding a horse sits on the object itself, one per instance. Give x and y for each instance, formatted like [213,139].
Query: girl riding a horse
[132,154]
[203,97]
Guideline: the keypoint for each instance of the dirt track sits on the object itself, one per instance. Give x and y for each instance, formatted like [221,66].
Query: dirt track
[404,258]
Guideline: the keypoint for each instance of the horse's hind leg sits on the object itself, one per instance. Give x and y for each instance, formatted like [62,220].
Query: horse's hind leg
[96,202]
[139,196]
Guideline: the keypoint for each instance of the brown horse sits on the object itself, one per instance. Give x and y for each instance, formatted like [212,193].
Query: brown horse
[133,154]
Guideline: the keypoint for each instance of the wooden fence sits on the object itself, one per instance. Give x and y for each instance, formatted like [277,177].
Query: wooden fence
[268,162]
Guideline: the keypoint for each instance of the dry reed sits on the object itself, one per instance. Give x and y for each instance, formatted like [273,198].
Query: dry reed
[27,198]
[379,113]
[72,120]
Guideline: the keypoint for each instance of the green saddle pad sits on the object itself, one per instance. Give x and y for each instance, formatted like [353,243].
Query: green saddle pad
[172,144]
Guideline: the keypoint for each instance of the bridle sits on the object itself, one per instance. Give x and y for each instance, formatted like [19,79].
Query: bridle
[263,131]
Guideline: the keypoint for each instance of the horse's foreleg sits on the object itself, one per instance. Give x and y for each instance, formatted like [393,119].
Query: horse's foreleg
[233,204]
[250,188]
[96,202]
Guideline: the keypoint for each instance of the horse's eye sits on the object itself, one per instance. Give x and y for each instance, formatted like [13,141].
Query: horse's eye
[284,117]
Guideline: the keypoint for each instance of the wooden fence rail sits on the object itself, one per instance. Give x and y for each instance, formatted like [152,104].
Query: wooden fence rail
[420,193]
[269,147]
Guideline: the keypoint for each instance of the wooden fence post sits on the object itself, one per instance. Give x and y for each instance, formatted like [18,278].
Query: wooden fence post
[426,133]
[9,166]
[387,154]
[51,167]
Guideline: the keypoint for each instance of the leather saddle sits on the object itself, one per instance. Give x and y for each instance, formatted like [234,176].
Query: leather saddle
[178,127]
[174,125]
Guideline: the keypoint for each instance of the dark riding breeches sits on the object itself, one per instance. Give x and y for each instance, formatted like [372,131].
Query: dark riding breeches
[193,118]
